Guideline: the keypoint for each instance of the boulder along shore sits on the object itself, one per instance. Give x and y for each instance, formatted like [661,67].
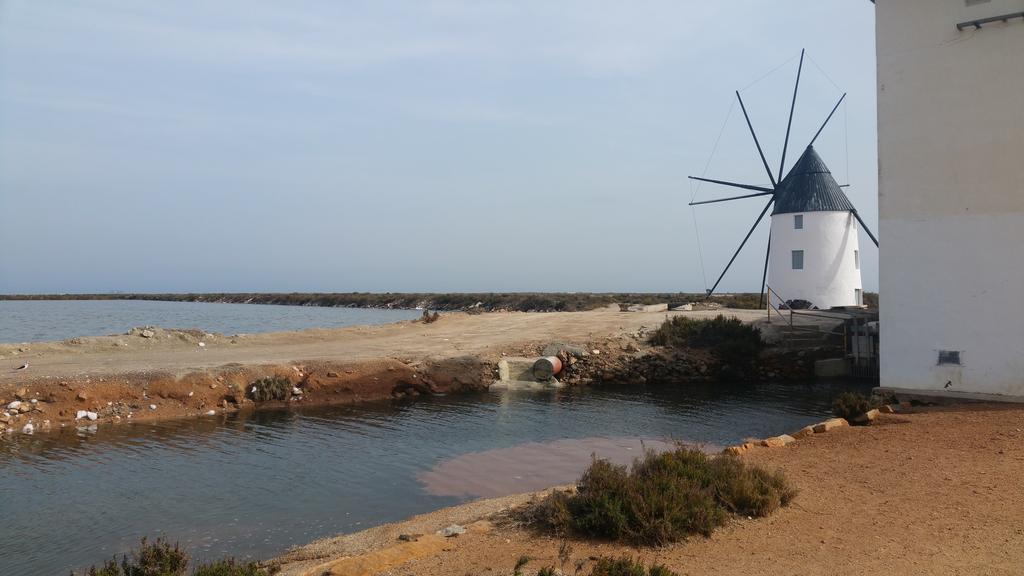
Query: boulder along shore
[153,373]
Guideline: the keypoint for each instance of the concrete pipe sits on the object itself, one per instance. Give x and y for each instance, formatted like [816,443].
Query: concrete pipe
[545,368]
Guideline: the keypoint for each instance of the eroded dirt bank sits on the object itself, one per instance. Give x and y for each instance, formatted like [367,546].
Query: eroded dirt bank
[159,374]
[932,492]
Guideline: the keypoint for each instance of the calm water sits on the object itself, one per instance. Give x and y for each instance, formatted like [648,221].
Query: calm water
[34,321]
[254,485]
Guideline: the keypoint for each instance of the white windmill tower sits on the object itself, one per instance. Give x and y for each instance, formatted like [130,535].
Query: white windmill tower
[813,254]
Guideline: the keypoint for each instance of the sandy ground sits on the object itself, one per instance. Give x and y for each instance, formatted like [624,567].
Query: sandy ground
[455,334]
[164,374]
[933,492]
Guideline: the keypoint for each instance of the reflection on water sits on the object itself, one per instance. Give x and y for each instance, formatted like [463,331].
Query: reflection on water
[532,466]
[253,485]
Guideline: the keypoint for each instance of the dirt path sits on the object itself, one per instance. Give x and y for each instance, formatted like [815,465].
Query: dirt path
[455,334]
[936,492]
[160,374]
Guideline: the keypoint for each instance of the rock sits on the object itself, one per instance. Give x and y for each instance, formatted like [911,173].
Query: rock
[830,424]
[211,412]
[86,415]
[82,396]
[735,450]
[202,344]
[28,428]
[147,333]
[453,530]
[14,405]
[24,407]
[867,417]
[887,409]
[152,406]
[409,537]
[778,441]
[803,432]
[5,417]
[296,391]
[595,352]
[21,393]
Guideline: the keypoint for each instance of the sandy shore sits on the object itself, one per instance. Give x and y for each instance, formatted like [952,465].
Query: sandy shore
[930,492]
[171,374]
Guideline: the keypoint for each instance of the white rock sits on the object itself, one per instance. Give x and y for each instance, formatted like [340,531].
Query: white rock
[86,415]
[202,344]
[595,351]
[190,394]
[211,412]
[453,530]
[296,390]
[14,405]
[152,406]
[34,401]
[28,428]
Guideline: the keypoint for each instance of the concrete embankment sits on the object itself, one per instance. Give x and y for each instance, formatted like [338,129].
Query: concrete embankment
[156,374]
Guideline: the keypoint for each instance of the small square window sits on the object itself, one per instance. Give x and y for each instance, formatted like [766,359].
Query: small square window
[856,259]
[798,259]
[798,221]
[949,357]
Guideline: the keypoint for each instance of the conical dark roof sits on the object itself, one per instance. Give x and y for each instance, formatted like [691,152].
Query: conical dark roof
[810,187]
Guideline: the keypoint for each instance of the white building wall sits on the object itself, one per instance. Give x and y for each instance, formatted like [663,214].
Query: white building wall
[951,196]
[830,275]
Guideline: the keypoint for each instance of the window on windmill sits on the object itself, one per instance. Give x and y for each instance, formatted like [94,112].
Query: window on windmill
[856,259]
[798,221]
[949,357]
[798,259]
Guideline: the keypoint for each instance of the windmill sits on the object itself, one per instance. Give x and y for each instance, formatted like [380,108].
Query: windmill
[813,255]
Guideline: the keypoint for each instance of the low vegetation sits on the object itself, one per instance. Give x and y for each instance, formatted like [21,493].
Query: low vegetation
[735,344]
[852,405]
[627,567]
[662,499]
[159,558]
[603,566]
[272,388]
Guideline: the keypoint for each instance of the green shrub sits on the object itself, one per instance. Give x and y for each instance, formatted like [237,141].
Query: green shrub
[851,405]
[229,567]
[161,559]
[272,388]
[151,559]
[749,490]
[714,332]
[736,345]
[110,568]
[627,567]
[662,499]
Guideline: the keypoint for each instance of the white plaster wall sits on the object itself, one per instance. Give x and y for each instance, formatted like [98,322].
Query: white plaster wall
[951,196]
[830,275]
[961,292]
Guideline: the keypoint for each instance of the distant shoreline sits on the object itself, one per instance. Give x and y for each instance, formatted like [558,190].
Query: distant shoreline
[485,302]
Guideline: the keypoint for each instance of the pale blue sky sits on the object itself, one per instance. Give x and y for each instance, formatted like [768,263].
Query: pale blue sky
[248,145]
